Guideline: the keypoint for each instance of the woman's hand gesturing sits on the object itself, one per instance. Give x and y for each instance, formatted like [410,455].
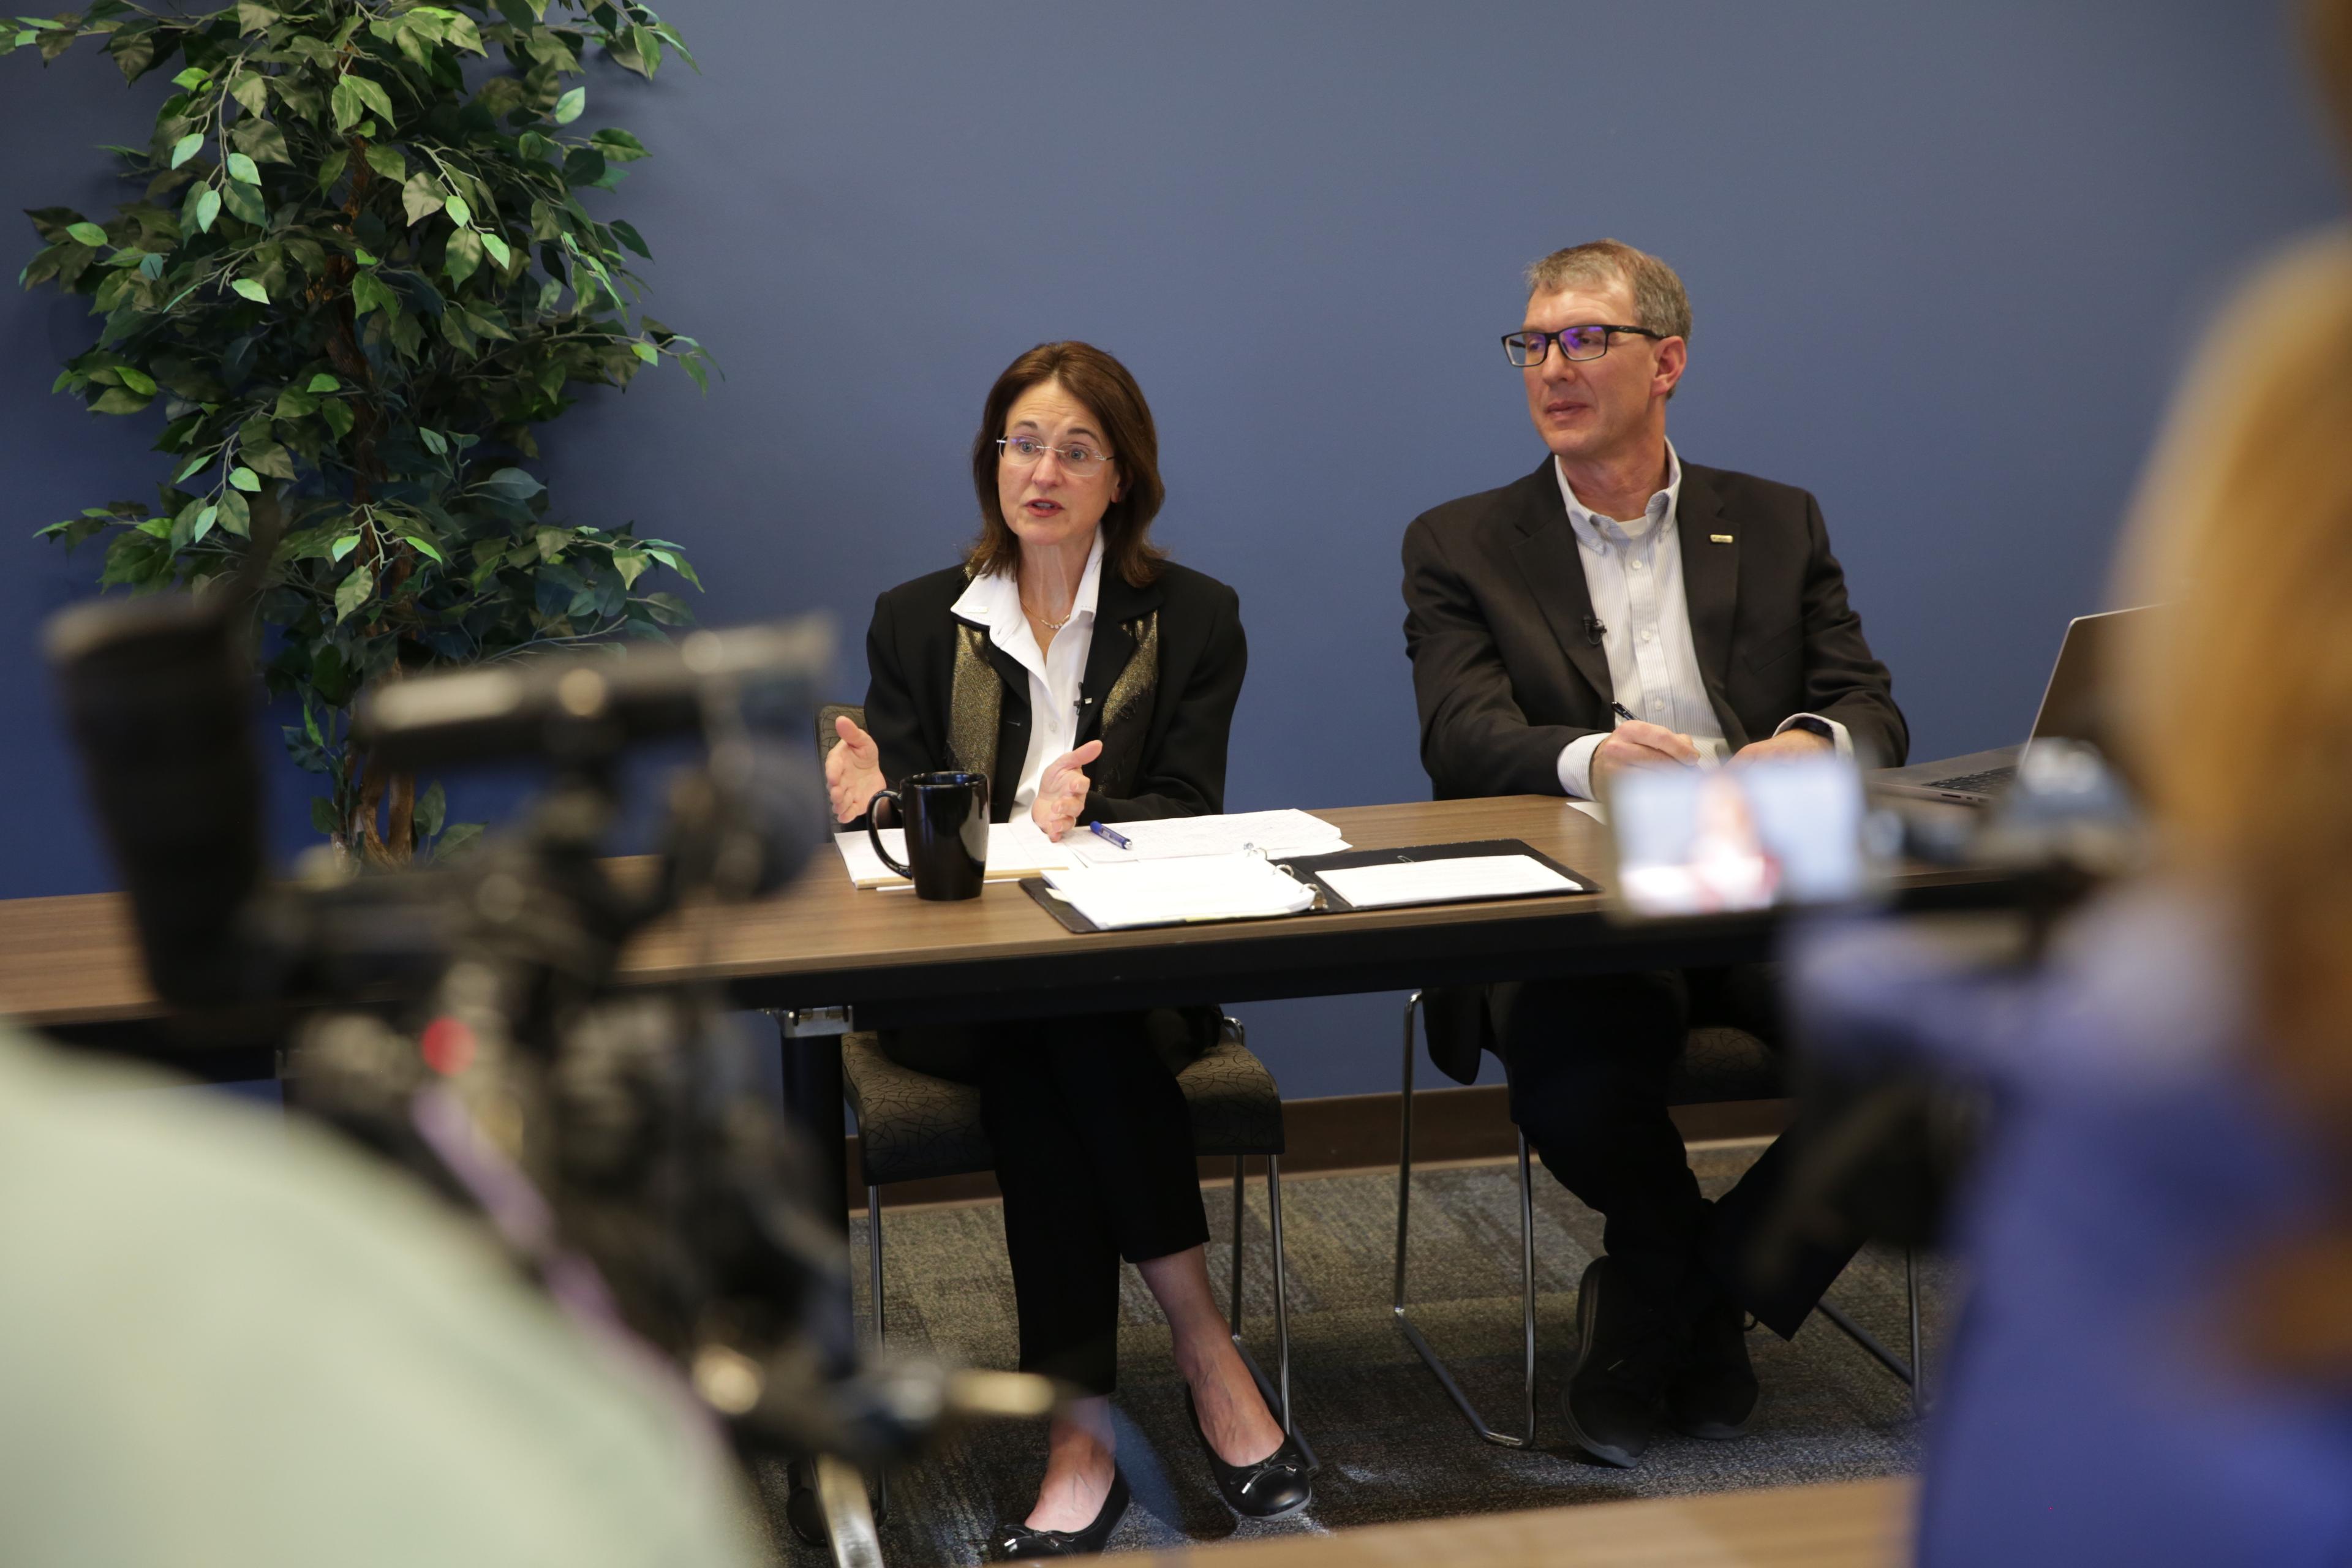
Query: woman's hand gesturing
[1062,790]
[853,771]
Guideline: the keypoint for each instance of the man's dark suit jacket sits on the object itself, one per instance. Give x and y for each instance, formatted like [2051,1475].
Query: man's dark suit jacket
[1506,674]
[1164,672]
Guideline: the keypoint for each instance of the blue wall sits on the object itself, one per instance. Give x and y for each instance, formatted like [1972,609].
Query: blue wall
[1945,260]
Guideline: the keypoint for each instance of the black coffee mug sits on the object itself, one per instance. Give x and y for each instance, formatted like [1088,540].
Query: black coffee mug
[946,819]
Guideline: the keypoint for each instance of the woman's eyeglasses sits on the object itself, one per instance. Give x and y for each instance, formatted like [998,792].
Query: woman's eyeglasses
[1026,451]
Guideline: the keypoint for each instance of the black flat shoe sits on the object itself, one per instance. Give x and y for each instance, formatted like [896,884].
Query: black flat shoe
[1278,1484]
[1018,1543]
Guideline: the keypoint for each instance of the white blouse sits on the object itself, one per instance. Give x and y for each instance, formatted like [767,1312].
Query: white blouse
[1055,672]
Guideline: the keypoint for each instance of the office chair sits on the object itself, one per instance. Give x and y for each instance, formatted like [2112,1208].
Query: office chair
[1718,1064]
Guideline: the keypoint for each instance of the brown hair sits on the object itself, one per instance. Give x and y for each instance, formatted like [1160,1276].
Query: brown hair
[1110,394]
[1659,303]
[2243,528]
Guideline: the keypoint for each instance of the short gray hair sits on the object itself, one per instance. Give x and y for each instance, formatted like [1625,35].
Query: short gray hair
[1659,303]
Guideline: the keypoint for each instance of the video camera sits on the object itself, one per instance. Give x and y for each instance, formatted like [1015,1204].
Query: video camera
[468,1021]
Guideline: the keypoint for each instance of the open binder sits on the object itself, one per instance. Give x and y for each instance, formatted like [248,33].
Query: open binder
[1503,872]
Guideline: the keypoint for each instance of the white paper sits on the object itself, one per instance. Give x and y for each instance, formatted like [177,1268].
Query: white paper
[1167,892]
[1276,833]
[1443,881]
[1591,809]
[1016,850]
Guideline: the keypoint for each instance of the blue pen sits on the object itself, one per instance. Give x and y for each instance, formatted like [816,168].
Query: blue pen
[1100,831]
[1623,711]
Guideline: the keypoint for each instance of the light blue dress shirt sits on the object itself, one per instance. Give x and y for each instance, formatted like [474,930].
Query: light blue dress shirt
[1633,573]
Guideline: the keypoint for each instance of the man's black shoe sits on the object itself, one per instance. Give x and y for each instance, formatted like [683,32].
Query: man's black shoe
[1615,1390]
[1713,1393]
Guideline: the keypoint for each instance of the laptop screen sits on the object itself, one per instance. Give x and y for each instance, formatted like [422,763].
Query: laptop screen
[2073,707]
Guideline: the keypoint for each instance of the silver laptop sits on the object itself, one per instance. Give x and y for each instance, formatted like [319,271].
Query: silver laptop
[2072,709]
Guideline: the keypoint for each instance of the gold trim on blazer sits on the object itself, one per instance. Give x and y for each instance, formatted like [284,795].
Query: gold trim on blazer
[975,702]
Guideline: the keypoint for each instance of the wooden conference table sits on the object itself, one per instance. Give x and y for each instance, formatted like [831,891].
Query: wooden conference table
[827,956]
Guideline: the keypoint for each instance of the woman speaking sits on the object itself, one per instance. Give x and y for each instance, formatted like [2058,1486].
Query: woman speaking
[1091,680]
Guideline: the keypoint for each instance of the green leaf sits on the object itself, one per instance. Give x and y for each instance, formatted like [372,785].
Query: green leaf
[251,92]
[369,292]
[618,145]
[569,107]
[265,143]
[137,380]
[435,442]
[355,97]
[631,564]
[454,839]
[460,213]
[322,382]
[208,206]
[90,234]
[339,418]
[365,257]
[420,198]
[343,546]
[118,400]
[192,77]
[627,235]
[331,169]
[240,167]
[373,96]
[647,352]
[187,147]
[424,548]
[251,290]
[510,484]
[464,257]
[322,816]
[245,479]
[353,591]
[245,201]
[432,810]
[236,514]
[387,162]
[496,249]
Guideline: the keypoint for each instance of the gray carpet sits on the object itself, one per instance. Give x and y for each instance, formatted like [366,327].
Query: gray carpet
[1392,1445]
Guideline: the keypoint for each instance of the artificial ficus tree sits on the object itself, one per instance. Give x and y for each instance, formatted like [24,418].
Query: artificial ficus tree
[357,275]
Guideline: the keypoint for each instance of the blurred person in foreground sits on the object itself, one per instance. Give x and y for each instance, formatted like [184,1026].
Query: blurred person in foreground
[231,1343]
[2155,1364]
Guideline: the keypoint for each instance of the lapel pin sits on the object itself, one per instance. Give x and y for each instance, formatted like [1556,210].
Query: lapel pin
[1720,538]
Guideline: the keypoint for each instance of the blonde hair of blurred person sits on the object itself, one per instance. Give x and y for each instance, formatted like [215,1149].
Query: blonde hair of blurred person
[2238,707]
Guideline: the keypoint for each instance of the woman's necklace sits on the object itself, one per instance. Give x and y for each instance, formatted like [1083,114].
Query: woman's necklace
[1048,624]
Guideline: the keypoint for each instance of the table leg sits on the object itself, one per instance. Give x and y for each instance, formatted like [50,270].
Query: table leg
[810,1041]
[812,1057]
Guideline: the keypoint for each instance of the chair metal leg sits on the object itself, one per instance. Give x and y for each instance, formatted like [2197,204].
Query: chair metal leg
[874,1280]
[1869,1342]
[1241,1165]
[1918,1361]
[1527,1265]
[1281,1286]
[1277,1397]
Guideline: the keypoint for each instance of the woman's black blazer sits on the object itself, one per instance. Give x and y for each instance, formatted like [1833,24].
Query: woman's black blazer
[1161,677]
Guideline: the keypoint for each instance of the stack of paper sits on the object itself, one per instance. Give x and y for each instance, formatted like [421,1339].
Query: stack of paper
[1174,891]
[1274,833]
[1464,878]
[1016,850]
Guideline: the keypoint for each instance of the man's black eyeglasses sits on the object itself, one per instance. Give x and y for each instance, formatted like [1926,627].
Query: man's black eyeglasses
[1575,342]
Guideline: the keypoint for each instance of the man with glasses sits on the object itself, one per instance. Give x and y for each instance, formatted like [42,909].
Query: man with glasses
[1617,608]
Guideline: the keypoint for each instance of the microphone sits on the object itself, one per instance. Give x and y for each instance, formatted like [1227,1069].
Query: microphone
[1594,630]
